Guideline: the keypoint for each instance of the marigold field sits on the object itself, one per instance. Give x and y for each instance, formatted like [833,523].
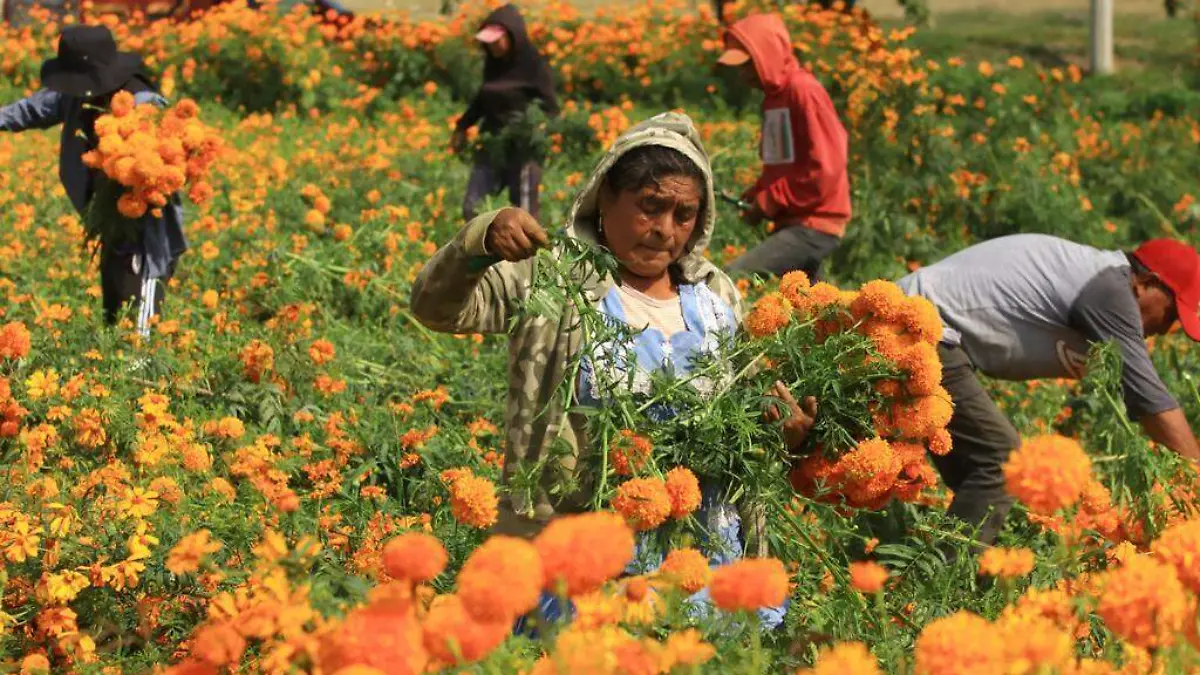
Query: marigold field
[291,474]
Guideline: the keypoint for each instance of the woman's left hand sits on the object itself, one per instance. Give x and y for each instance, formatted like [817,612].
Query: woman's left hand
[799,420]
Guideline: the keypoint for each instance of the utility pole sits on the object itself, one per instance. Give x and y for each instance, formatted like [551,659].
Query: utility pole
[1102,37]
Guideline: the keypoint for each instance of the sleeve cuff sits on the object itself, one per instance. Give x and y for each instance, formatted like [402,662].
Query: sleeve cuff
[474,235]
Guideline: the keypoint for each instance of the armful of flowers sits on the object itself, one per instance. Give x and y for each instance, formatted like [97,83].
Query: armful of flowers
[148,154]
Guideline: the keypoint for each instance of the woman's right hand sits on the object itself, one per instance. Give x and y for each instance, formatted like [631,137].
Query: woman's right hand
[514,235]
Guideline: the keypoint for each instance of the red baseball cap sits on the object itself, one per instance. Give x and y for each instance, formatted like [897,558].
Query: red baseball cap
[1178,266]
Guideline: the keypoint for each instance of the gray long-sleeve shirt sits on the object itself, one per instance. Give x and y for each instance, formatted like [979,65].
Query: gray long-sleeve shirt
[1029,306]
[163,240]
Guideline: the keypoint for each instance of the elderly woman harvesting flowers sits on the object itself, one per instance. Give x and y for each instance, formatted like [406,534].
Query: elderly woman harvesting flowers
[650,203]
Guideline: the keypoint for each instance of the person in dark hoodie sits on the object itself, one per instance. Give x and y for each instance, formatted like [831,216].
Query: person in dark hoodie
[78,86]
[804,187]
[515,76]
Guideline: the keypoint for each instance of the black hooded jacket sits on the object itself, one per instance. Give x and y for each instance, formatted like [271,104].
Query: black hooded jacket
[510,84]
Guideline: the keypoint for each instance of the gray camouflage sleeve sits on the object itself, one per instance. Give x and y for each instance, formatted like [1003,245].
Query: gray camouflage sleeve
[1106,310]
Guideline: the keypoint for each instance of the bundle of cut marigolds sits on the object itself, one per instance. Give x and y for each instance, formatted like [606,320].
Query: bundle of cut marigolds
[870,357]
[150,155]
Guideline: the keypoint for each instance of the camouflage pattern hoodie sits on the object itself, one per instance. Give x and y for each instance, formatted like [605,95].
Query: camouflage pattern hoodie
[457,292]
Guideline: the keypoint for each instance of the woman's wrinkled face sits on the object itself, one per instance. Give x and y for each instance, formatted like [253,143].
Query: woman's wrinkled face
[648,229]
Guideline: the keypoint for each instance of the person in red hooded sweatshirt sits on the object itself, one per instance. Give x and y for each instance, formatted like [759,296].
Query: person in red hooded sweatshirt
[804,188]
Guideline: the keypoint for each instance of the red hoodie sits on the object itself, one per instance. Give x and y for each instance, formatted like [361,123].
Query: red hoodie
[804,144]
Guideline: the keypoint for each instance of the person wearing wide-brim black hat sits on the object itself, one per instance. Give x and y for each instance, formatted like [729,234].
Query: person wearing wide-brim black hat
[77,86]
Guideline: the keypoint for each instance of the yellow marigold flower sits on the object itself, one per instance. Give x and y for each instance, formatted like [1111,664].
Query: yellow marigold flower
[685,648]
[959,644]
[686,568]
[868,577]
[749,584]
[185,557]
[1144,603]
[502,579]
[473,501]
[770,314]
[42,384]
[414,556]
[1006,563]
[1048,473]
[1179,547]
[138,503]
[580,553]
[684,489]
[644,502]
[845,658]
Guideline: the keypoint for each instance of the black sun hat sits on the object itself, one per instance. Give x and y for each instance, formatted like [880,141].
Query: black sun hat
[88,63]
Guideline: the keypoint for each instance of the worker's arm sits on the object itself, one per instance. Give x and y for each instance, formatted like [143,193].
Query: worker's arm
[1107,311]
[41,110]
[1171,428]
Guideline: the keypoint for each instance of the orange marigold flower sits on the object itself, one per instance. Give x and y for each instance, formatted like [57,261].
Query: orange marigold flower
[630,453]
[923,368]
[1179,546]
[185,557]
[321,352]
[959,644]
[770,314]
[1048,473]
[473,501]
[1006,563]
[14,341]
[122,104]
[580,553]
[501,580]
[687,569]
[794,286]
[132,205]
[1144,602]
[257,358]
[749,584]
[868,471]
[868,577]
[644,502]
[219,644]
[940,442]
[845,658]
[920,318]
[89,428]
[384,635]
[684,489]
[451,635]
[415,557]
[880,299]
[818,298]
[923,416]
